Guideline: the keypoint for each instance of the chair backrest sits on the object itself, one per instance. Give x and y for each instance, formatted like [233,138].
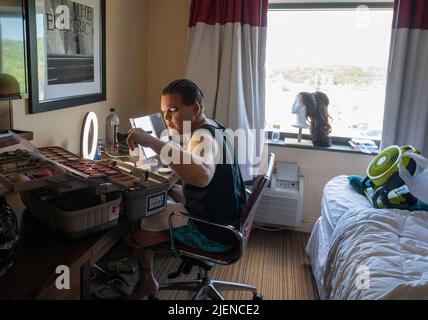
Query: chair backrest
[259,185]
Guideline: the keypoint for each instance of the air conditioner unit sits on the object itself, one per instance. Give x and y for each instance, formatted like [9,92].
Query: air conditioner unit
[282,201]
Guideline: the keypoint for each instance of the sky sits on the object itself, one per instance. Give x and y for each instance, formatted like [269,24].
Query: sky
[306,40]
[12,28]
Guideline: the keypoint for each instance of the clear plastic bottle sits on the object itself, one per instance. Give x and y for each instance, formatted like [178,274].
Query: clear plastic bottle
[276,127]
[112,129]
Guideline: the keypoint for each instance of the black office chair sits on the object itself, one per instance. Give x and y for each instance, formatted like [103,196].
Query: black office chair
[204,286]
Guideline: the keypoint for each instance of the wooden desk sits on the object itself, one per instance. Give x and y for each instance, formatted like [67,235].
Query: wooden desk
[40,252]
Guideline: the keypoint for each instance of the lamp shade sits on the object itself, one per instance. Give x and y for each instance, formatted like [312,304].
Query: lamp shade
[9,87]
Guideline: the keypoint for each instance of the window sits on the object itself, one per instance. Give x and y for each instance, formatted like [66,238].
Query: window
[343,52]
[12,45]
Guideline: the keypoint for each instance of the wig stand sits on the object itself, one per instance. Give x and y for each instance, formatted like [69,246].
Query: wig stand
[299,135]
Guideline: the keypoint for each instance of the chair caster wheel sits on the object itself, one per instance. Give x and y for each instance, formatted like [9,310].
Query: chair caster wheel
[257,297]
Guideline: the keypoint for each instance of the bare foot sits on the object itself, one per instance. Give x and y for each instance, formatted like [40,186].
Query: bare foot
[147,286]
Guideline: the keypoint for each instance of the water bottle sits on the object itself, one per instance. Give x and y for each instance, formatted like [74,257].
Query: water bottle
[276,126]
[101,146]
[112,129]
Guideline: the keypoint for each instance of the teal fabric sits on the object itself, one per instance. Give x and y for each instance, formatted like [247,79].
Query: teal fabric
[356,182]
[420,206]
[191,236]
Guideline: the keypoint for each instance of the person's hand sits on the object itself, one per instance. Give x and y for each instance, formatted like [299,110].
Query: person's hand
[138,136]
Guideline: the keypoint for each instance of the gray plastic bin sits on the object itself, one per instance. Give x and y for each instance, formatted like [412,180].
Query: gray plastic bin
[75,214]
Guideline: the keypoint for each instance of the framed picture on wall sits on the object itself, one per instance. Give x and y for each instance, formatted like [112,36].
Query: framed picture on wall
[66,53]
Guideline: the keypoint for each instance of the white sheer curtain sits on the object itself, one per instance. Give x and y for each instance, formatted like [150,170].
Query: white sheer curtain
[406,109]
[226,57]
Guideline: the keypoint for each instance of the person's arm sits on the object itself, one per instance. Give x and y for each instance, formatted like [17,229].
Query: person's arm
[201,167]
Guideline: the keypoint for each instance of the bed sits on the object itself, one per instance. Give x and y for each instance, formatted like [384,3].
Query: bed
[358,252]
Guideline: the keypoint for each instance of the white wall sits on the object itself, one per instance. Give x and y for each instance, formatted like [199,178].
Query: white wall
[166,46]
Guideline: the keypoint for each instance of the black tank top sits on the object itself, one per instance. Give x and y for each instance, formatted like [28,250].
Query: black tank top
[223,200]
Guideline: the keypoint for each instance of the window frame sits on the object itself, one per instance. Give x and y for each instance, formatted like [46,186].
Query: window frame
[330,5]
[337,140]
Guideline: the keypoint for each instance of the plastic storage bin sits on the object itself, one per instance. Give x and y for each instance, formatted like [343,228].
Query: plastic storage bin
[75,214]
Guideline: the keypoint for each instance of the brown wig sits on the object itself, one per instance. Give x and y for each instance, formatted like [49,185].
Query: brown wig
[317,112]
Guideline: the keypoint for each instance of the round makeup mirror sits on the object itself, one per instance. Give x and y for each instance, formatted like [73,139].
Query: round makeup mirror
[89,139]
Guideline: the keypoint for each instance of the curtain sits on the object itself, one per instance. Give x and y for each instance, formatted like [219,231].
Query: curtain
[226,56]
[406,109]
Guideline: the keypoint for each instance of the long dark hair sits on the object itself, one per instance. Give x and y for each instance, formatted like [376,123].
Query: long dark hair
[317,112]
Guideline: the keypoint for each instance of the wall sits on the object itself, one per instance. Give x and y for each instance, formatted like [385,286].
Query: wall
[167,40]
[126,81]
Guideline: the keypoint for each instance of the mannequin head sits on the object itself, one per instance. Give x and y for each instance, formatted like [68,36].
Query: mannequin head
[317,114]
[299,109]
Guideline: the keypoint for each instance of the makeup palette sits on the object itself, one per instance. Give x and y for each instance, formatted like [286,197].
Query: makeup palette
[54,172]
[126,180]
[21,170]
[88,168]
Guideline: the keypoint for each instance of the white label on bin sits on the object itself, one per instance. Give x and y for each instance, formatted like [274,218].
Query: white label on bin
[155,203]
[113,213]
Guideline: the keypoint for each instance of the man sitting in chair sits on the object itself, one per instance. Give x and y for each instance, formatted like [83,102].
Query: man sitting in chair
[212,189]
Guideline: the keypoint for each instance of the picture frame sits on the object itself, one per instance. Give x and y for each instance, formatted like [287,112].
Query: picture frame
[66,53]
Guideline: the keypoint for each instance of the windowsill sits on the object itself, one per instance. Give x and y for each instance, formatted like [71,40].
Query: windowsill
[307,144]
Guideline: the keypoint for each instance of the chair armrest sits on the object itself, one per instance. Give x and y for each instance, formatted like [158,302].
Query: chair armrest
[230,228]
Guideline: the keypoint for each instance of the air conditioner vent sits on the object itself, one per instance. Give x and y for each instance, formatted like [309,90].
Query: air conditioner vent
[281,204]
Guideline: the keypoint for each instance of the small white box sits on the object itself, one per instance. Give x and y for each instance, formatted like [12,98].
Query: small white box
[287,172]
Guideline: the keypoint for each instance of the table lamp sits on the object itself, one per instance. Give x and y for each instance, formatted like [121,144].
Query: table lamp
[9,87]
[9,90]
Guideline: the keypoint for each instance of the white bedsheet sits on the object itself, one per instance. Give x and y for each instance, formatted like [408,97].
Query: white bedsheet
[358,252]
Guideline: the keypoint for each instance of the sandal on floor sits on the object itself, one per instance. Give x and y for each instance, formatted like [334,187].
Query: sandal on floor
[122,269]
[122,266]
[114,289]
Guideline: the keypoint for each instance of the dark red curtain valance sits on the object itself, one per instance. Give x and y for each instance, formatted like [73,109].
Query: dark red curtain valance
[412,14]
[252,12]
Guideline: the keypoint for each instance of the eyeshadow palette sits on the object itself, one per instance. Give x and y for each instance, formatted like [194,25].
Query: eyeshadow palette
[21,170]
[59,155]
[126,180]
[83,167]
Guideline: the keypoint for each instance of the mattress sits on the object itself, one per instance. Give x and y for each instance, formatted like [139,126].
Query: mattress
[358,252]
[339,197]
